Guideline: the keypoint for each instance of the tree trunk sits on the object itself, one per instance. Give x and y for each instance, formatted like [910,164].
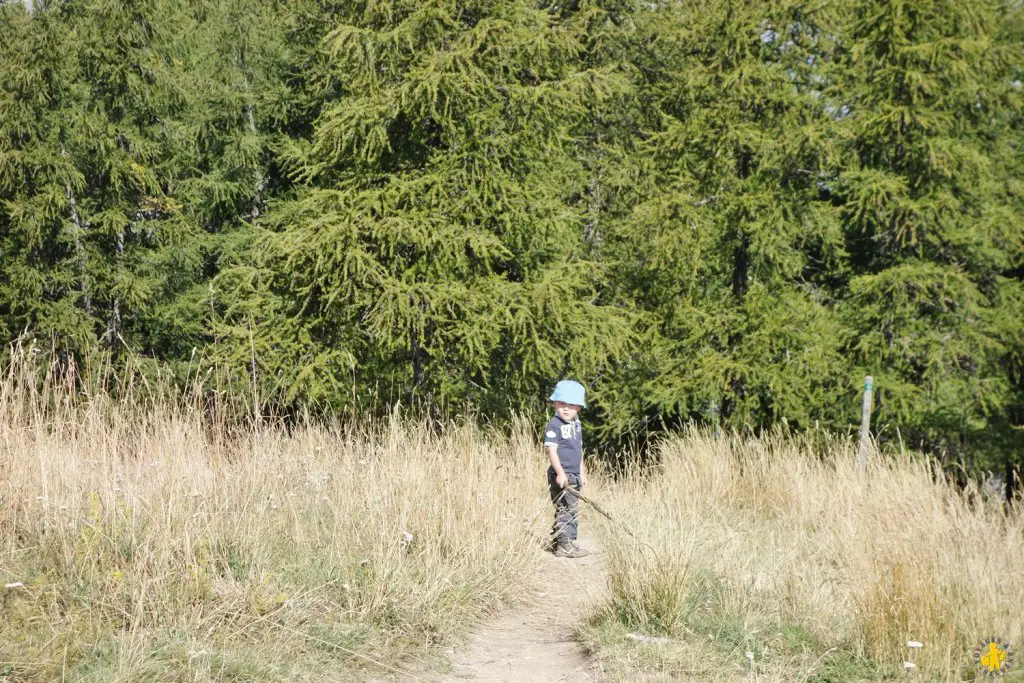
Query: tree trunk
[80,256]
[113,332]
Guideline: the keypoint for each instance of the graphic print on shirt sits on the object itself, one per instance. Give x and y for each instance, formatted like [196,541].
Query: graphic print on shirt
[567,431]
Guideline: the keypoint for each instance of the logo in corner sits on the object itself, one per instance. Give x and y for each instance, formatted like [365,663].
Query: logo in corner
[993,656]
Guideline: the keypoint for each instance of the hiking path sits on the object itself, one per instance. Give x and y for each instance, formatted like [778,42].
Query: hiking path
[535,642]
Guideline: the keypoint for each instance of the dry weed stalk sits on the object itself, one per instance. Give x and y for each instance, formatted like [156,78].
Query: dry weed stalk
[155,541]
[759,536]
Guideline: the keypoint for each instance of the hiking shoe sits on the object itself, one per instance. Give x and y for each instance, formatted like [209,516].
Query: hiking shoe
[571,551]
[579,547]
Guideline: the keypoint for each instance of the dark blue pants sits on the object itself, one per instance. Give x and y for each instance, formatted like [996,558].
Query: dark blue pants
[567,507]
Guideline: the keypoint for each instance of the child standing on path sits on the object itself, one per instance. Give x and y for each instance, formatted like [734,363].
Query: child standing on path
[563,443]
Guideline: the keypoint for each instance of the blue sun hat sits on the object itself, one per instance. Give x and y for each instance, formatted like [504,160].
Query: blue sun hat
[568,391]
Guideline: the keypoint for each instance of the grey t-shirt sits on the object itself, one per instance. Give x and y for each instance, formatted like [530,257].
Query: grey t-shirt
[568,438]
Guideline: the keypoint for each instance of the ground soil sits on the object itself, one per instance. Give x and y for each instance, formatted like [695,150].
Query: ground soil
[535,642]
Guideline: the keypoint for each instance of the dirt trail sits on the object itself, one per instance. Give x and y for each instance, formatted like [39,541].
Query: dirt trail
[534,643]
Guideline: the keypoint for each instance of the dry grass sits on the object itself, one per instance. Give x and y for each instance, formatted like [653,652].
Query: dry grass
[155,544]
[152,546]
[772,564]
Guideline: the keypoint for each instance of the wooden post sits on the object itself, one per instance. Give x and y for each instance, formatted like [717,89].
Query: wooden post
[255,387]
[713,409]
[865,428]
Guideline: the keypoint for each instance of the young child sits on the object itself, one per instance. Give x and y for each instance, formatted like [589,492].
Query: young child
[563,443]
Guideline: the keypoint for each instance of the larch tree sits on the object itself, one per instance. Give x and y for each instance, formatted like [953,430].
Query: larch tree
[130,146]
[47,277]
[730,245]
[436,252]
[932,211]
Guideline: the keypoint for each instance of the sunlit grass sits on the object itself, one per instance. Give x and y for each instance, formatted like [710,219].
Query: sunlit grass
[771,562]
[154,544]
[151,540]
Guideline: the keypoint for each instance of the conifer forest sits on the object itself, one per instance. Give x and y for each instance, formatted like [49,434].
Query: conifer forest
[719,212]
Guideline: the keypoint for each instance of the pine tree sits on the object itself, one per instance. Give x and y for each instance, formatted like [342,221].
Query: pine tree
[89,222]
[233,63]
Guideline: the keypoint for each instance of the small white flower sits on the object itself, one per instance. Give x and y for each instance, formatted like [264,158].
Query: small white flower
[909,665]
[407,537]
[914,643]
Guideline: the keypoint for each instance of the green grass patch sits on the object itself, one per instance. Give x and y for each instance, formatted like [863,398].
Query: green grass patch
[694,634]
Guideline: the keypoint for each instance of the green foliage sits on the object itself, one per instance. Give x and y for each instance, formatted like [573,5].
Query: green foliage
[435,245]
[732,240]
[715,211]
[128,141]
[930,194]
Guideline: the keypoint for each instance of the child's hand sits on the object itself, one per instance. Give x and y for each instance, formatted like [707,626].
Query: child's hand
[583,480]
[562,480]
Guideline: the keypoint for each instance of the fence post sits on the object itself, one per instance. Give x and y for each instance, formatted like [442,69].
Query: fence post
[713,409]
[865,428]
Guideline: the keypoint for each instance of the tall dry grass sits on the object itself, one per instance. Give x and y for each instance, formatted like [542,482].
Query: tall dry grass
[154,544]
[771,562]
[147,540]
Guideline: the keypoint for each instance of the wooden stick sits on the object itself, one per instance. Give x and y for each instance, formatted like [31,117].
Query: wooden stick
[599,509]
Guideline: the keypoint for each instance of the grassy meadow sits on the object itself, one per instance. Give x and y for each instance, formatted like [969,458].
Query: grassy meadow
[156,543]
[768,562]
